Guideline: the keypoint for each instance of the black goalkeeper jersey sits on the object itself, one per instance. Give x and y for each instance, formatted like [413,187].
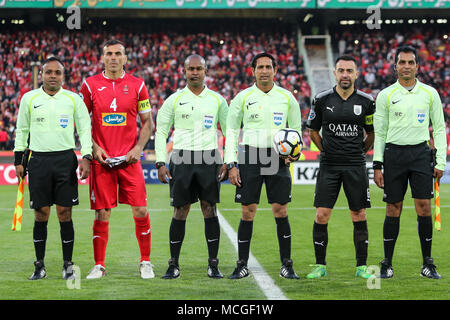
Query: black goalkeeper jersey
[343,123]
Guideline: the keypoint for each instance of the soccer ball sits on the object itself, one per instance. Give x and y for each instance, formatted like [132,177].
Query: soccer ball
[288,142]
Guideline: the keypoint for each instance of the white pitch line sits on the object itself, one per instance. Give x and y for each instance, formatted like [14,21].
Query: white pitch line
[264,281]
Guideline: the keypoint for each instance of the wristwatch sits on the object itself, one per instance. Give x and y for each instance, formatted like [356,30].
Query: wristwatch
[231,165]
[88,157]
[160,164]
[377,165]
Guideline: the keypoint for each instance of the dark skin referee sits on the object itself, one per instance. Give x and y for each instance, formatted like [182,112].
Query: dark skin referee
[49,115]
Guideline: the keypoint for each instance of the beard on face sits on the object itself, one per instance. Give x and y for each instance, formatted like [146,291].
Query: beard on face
[345,86]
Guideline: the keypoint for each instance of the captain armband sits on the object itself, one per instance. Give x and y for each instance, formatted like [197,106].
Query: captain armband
[143,105]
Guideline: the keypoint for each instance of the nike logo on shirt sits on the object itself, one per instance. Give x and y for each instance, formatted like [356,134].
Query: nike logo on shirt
[39,105]
[394,102]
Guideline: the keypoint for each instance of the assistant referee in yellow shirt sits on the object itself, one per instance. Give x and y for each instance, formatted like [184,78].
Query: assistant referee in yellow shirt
[49,116]
[403,115]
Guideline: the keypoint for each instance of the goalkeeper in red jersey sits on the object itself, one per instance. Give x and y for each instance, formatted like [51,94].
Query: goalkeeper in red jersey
[115,99]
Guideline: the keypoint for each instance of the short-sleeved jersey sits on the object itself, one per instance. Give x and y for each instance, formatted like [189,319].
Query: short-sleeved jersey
[343,123]
[114,106]
[262,115]
[403,117]
[194,118]
[51,121]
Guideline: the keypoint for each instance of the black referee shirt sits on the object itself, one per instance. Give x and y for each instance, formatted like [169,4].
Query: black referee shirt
[343,123]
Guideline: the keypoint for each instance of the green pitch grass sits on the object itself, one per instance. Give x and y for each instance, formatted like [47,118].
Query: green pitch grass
[122,256]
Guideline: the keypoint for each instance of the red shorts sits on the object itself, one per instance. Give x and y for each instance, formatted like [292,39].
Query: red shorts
[103,182]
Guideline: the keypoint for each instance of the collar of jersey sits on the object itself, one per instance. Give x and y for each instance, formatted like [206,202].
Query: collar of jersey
[406,91]
[339,96]
[55,96]
[202,94]
[262,92]
[118,79]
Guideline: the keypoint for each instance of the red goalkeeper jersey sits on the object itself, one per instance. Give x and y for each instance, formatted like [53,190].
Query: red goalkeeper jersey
[114,105]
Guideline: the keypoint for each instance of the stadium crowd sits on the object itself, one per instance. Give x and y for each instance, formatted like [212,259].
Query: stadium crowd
[375,50]
[157,58]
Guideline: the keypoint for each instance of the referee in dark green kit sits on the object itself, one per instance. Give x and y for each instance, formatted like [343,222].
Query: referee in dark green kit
[49,116]
[402,118]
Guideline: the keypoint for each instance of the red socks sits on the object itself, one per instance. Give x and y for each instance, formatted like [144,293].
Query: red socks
[100,240]
[143,236]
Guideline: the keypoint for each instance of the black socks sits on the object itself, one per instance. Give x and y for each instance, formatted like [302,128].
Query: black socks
[320,241]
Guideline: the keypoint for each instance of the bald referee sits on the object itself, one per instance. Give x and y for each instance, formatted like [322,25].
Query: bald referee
[403,114]
[50,115]
[196,166]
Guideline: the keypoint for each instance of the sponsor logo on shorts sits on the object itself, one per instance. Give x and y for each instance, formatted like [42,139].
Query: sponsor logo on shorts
[114,119]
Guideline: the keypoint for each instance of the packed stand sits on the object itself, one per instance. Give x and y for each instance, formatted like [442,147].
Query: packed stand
[156,57]
[375,51]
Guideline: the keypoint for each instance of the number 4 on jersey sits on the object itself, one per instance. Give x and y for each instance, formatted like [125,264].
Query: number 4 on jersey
[113,105]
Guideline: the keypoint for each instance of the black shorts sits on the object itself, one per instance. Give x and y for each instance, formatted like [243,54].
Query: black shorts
[407,163]
[273,172]
[193,179]
[355,182]
[53,179]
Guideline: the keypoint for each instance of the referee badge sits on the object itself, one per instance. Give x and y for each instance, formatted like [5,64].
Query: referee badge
[208,121]
[64,120]
[357,108]
[421,115]
[278,118]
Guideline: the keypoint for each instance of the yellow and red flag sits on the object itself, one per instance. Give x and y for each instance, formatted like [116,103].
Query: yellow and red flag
[17,218]
[437,207]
